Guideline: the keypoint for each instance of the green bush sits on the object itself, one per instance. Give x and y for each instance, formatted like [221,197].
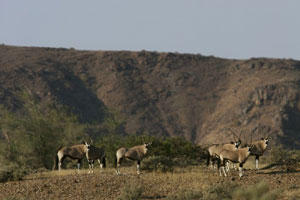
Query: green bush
[13,173]
[279,154]
[33,135]
[158,163]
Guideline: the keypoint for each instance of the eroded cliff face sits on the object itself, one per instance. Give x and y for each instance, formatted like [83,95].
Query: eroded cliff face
[162,94]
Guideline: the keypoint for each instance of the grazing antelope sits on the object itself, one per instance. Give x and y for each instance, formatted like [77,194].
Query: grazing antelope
[216,149]
[240,156]
[135,153]
[75,152]
[95,153]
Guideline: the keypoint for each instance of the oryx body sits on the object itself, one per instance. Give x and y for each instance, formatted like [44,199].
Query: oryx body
[258,149]
[75,152]
[135,153]
[95,153]
[215,150]
[238,156]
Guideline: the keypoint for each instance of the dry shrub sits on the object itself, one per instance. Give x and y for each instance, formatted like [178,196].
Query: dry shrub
[259,191]
[131,191]
[185,194]
[220,191]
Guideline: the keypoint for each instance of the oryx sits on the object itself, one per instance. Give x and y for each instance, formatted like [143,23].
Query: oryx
[215,150]
[134,153]
[76,152]
[95,153]
[258,149]
[237,156]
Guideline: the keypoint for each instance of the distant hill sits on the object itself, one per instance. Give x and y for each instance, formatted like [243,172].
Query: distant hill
[162,94]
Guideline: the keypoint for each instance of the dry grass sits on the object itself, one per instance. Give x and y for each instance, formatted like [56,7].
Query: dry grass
[182,183]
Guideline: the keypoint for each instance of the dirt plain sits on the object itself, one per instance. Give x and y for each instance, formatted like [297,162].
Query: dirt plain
[105,184]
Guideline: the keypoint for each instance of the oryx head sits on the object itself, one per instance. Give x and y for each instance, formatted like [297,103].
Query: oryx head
[146,146]
[88,144]
[249,148]
[237,144]
[265,139]
[237,139]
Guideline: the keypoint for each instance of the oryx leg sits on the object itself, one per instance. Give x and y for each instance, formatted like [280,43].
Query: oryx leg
[223,163]
[78,164]
[234,166]
[227,164]
[214,164]
[241,170]
[59,164]
[138,167]
[211,162]
[91,166]
[60,160]
[219,167]
[119,160]
[256,162]
[101,164]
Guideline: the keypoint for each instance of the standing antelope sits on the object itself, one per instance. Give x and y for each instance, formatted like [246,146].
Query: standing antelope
[76,152]
[95,153]
[238,156]
[135,153]
[215,150]
[258,149]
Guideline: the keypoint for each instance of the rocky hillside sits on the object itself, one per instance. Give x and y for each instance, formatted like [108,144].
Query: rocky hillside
[162,94]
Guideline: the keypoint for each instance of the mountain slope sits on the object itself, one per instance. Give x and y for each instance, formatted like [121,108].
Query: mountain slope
[162,94]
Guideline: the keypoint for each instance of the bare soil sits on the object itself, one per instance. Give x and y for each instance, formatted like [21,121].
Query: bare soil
[68,184]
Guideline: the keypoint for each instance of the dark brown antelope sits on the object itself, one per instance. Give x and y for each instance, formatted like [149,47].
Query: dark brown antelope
[75,152]
[95,153]
[135,153]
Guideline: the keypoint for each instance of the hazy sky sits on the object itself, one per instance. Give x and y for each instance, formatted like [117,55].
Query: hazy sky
[222,28]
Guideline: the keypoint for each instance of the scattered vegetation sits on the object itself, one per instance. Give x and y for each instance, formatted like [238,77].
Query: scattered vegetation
[259,191]
[131,191]
[228,191]
[220,191]
[280,155]
[185,194]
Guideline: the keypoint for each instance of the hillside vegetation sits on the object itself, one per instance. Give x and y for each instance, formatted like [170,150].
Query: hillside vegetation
[159,94]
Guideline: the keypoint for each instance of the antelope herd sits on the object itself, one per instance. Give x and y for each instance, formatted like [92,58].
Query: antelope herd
[235,152]
[92,153]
